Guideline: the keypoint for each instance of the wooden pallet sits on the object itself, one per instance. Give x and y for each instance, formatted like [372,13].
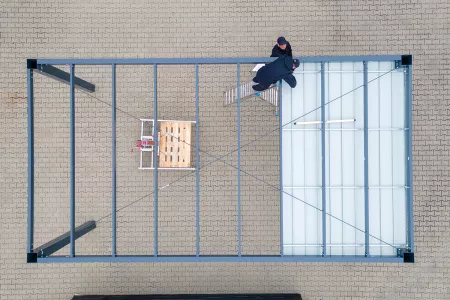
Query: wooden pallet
[175,144]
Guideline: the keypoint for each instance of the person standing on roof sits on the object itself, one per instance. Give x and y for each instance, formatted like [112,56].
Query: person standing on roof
[281,68]
[281,48]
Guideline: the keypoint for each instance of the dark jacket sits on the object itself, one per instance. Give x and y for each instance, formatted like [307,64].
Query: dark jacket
[277,52]
[279,69]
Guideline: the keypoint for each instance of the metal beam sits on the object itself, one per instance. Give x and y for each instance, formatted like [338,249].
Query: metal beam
[72,160]
[197,167]
[409,175]
[280,112]
[239,155]
[30,90]
[114,169]
[244,258]
[63,240]
[193,61]
[324,191]
[155,160]
[64,77]
[366,160]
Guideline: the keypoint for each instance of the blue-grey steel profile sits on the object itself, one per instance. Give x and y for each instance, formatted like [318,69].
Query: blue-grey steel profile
[30,160]
[324,191]
[366,160]
[281,168]
[72,160]
[409,157]
[239,156]
[197,166]
[193,61]
[114,169]
[155,161]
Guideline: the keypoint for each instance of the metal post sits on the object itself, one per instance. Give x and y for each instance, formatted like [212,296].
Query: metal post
[72,161]
[324,195]
[409,175]
[155,159]
[30,160]
[280,112]
[197,166]
[239,154]
[366,158]
[114,171]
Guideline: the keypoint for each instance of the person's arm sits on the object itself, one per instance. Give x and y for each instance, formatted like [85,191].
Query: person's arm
[276,52]
[289,50]
[259,87]
[290,79]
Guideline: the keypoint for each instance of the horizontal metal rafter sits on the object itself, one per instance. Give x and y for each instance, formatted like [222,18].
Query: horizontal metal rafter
[193,61]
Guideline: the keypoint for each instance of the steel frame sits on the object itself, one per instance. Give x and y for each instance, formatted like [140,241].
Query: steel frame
[43,64]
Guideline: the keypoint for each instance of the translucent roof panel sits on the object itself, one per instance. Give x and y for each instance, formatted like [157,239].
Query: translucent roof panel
[344,187]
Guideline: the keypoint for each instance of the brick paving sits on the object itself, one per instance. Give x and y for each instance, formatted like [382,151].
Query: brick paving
[83,29]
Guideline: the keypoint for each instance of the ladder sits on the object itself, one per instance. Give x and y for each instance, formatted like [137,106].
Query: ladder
[271,95]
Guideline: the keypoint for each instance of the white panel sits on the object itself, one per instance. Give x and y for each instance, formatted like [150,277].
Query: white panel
[385,66]
[359,158]
[314,220]
[374,97]
[399,157]
[336,227]
[349,216]
[313,167]
[386,162]
[399,211]
[398,99]
[298,98]
[374,221]
[387,221]
[374,158]
[300,225]
[385,100]
[360,220]
[348,158]
[312,93]
[287,158]
[335,158]
[298,158]
[286,108]
[287,220]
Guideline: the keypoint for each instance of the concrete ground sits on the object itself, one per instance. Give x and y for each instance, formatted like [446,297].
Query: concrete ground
[104,29]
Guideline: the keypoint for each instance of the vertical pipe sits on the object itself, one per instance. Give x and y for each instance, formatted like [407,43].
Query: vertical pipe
[239,154]
[30,90]
[72,161]
[114,171]
[155,159]
[324,195]
[366,159]
[281,168]
[409,190]
[197,165]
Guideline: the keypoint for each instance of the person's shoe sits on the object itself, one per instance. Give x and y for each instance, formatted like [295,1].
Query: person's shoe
[258,94]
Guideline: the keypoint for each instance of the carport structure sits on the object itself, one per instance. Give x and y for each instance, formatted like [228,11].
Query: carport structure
[313,160]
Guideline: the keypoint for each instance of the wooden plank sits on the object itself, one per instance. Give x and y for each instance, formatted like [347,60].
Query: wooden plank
[186,154]
[163,144]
